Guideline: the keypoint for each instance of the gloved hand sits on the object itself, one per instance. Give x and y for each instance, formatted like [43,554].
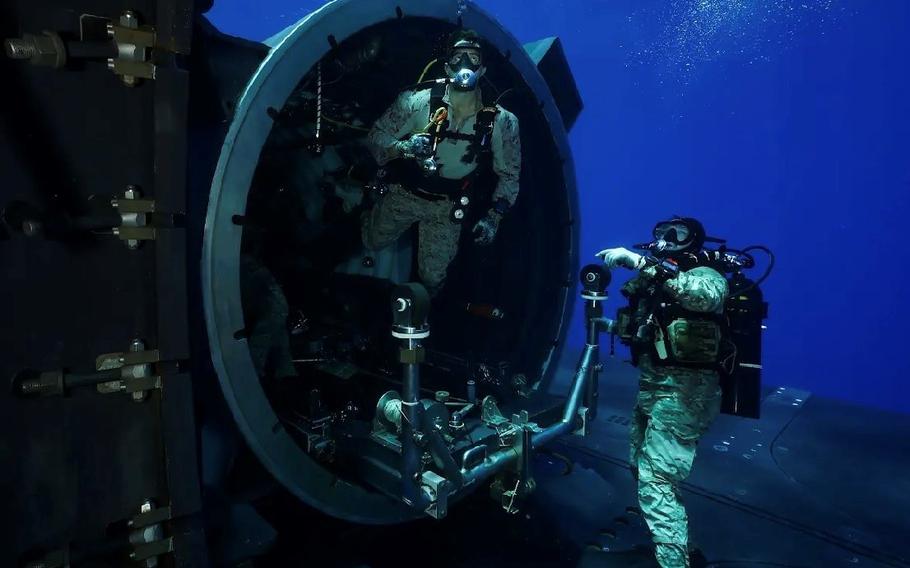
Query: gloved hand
[619,256]
[419,146]
[485,229]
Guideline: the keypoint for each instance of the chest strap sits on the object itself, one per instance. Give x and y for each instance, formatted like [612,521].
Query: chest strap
[480,141]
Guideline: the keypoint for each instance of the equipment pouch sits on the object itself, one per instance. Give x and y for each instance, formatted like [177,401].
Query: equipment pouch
[623,327]
[694,341]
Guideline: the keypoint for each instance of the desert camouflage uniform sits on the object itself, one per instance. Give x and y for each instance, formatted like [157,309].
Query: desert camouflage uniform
[399,209]
[675,406]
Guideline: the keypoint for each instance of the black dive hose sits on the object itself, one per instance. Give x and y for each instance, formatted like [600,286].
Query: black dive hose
[768,269]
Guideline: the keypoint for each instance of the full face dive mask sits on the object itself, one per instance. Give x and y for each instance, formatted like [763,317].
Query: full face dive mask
[465,66]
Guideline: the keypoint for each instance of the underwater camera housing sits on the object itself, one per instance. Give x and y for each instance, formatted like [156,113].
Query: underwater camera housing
[363,424]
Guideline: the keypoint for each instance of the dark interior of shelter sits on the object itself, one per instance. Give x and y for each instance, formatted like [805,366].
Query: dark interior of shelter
[207,367]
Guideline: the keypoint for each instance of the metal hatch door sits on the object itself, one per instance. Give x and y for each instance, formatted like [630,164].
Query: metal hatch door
[98,456]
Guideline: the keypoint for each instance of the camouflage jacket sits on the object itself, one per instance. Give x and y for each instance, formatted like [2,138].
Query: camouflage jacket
[701,289]
[410,114]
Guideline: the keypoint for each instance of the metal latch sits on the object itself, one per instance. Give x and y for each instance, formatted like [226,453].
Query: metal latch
[144,533]
[134,218]
[125,45]
[115,372]
[490,413]
[134,45]
[147,535]
[135,371]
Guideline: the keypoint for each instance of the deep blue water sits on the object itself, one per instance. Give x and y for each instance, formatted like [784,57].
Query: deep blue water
[775,122]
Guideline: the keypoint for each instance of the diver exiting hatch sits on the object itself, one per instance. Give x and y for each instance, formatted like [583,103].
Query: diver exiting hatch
[433,144]
[678,326]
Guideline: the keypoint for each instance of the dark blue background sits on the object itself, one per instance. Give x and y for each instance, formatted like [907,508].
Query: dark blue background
[782,123]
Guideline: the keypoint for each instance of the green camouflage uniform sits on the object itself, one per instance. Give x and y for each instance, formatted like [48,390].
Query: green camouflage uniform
[438,234]
[265,311]
[675,406]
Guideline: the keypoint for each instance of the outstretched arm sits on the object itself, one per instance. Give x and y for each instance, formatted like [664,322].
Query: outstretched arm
[701,289]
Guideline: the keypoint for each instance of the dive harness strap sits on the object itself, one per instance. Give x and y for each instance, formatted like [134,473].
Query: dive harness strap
[484,122]
[437,188]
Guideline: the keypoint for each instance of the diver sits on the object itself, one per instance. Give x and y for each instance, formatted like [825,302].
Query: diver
[675,328]
[433,143]
[265,311]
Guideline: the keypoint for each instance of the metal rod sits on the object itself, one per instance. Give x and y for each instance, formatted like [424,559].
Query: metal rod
[410,408]
[91,49]
[594,311]
[502,458]
[570,413]
[73,380]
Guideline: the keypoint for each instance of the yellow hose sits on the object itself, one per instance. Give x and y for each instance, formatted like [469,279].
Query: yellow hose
[426,70]
[344,124]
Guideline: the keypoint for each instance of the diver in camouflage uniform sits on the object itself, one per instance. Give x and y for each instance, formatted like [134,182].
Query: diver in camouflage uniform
[674,325]
[431,143]
[265,311]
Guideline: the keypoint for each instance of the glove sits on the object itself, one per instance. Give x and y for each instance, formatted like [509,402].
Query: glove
[619,256]
[485,229]
[419,146]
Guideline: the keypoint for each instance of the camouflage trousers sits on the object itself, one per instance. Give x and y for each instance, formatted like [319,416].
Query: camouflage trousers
[265,310]
[675,407]
[437,234]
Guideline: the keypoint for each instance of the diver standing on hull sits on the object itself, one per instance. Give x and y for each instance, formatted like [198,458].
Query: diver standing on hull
[674,326]
[433,143]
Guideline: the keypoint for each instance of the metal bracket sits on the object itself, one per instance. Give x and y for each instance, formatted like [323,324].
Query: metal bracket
[134,45]
[509,490]
[134,218]
[436,489]
[502,489]
[490,413]
[523,421]
[493,418]
[147,535]
[135,371]
[584,416]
